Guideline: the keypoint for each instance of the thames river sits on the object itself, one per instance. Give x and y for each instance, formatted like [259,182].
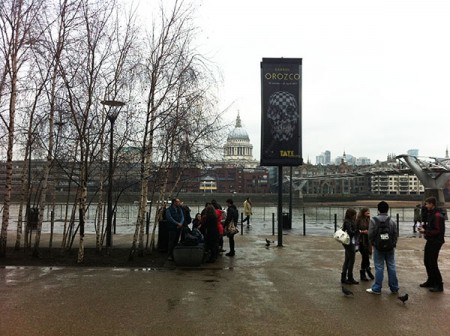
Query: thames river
[308,220]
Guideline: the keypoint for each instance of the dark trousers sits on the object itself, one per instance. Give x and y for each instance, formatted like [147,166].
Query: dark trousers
[349,261]
[430,259]
[231,240]
[212,245]
[246,219]
[365,257]
[174,236]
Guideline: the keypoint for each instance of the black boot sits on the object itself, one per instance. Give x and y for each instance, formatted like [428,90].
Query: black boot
[343,278]
[369,273]
[362,274]
[437,288]
[427,284]
[351,280]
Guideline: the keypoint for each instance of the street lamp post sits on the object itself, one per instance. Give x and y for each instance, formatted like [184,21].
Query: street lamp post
[114,109]
[28,210]
[30,214]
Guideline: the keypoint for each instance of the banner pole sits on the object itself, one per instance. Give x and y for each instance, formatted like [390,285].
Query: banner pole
[280,206]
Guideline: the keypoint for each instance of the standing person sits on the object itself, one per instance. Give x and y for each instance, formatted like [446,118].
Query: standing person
[247,211]
[202,216]
[383,237]
[417,217]
[175,220]
[232,215]
[218,208]
[187,220]
[362,225]
[434,232]
[209,223]
[349,226]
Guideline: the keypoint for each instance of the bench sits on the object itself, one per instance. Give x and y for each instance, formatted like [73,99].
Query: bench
[188,255]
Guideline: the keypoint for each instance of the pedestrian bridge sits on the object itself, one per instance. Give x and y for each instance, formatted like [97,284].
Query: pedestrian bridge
[432,172]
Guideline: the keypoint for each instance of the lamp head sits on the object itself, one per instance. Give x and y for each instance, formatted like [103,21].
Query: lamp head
[114,108]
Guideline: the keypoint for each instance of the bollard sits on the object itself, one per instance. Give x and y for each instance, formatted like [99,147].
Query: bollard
[242,224]
[304,224]
[398,225]
[52,224]
[335,222]
[273,224]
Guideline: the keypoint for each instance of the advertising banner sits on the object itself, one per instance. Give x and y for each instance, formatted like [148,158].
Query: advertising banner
[281,106]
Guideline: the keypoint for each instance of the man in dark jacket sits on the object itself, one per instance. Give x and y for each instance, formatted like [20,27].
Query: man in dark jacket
[232,215]
[175,220]
[434,231]
[379,256]
[187,220]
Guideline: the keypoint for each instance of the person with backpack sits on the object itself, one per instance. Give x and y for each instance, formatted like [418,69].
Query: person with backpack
[434,232]
[383,237]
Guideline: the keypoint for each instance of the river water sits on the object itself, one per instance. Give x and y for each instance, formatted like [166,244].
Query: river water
[308,220]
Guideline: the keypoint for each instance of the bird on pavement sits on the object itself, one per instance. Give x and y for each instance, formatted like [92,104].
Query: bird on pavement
[403,298]
[268,242]
[346,291]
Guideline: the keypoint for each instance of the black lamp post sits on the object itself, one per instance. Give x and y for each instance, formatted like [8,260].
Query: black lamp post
[114,109]
[31,220]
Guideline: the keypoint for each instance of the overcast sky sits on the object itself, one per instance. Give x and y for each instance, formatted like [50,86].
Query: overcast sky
[376,74]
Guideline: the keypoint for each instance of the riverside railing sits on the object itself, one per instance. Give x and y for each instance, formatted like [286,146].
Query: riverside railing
[310,220]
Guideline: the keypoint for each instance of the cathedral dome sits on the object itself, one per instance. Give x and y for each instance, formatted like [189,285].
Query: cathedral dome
[238,149]
[238,133]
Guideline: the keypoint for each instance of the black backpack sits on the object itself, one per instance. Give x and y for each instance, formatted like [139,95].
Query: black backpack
[384,240]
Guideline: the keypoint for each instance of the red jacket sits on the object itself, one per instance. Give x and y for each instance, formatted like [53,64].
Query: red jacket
[219,221]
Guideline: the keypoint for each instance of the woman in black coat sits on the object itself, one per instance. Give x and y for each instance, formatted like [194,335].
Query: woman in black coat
[349,226]
[211,232]
[232,216]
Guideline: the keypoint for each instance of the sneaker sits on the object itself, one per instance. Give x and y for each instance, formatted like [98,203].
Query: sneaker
[370,291]
[170,258]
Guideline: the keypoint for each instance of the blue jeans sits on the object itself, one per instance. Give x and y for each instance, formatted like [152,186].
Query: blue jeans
[379,258]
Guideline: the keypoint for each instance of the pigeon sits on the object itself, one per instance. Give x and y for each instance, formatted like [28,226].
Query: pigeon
[346,291]
[403,298]
[268,242]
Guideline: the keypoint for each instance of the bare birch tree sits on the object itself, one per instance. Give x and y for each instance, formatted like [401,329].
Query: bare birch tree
[174,72]
[17,19]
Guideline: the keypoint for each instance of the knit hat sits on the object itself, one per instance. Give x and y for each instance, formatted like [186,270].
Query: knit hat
[383,207]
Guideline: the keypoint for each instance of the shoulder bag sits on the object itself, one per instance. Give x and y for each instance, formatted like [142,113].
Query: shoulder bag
[342,237]
[231,229]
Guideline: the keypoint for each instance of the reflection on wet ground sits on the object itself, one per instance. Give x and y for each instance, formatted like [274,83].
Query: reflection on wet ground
[289,290]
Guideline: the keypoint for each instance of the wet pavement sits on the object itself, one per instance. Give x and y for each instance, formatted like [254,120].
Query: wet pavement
[289,290]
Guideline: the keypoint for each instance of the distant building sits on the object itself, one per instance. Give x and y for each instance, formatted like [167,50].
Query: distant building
[396,185]
[412,152]
[324,158]
[327,155]
[238,149]
[362,161]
